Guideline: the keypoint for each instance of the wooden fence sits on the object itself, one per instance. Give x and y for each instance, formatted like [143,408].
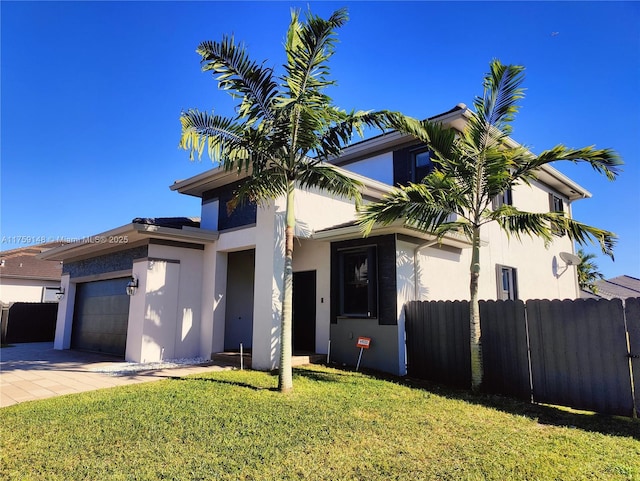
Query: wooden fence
[582,353]
[29,322]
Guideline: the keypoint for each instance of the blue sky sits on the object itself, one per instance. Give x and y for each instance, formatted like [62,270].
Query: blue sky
[91,95]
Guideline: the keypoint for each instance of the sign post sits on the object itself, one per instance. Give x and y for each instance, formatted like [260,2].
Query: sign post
[363,343]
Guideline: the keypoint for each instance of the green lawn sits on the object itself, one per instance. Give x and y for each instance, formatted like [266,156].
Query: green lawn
[336,425]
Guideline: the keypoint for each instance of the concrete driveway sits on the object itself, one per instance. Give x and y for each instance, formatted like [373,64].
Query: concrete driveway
[33,371]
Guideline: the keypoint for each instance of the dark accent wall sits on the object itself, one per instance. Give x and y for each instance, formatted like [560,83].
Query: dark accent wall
[402,174]
[387,286]
[243,214]
[116,261]
[404,169]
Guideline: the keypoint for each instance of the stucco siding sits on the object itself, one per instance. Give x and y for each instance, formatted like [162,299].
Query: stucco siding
[314,256]
[24,290]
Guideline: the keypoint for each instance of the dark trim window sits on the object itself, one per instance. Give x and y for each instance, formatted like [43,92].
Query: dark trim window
[422,164]
[556,205]
[506,198]
[358,294]
[507,280]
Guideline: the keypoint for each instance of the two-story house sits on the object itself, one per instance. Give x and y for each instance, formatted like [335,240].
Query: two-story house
[170,288]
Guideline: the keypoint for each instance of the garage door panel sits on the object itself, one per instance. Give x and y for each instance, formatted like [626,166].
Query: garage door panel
[101,316]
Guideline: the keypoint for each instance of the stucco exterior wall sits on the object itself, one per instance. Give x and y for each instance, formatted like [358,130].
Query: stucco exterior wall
[541,274]
[314,256]
[23,290]
[317,210]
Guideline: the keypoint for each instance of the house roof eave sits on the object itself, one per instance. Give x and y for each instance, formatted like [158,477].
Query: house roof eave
[127,236]
[353,231]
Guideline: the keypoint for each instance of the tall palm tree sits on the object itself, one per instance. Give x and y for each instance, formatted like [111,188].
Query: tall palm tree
[475,166]
[588,273]
[284,129]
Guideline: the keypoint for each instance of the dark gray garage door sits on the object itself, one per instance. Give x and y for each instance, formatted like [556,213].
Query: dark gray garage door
[100,317]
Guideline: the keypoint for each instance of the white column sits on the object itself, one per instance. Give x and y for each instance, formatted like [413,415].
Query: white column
[64,321]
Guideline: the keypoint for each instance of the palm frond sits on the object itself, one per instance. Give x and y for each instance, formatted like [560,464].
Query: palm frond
[309,46]
[223,137]
[603,161]
[340,133]
[516,223]
[414,203]
[241,76]
[498,106]
[546,225]
[258,189]
[327,178]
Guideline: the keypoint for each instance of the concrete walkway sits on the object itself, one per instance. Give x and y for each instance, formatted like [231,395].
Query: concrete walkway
[33,371]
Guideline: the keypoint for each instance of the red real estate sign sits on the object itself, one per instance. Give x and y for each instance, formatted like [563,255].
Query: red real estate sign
[363,342]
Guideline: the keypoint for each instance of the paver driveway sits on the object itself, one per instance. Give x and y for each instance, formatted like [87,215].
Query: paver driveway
[36,371]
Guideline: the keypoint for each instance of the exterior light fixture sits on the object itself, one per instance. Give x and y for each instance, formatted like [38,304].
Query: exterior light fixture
[132,286]
[60,293]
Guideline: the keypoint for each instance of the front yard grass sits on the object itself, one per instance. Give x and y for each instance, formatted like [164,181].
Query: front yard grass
[336,425]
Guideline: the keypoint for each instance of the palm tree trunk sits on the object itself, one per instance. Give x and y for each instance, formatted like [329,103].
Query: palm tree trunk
[285,375]
[477,370]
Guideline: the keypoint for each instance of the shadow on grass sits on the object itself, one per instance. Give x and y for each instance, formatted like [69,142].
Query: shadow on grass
[542,414]
[223,381]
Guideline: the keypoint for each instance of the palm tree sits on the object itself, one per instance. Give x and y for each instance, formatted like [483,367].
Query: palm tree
[472,168]
[284,130]
[588,273]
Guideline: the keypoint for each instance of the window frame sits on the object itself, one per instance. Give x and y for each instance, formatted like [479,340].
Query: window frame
[556,204]
[511,293]
[505,198]
[371,311]
[428,168]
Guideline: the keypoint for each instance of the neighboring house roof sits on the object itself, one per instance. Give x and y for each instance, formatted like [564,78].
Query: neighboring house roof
[621,287]
[22,263]
[138,232]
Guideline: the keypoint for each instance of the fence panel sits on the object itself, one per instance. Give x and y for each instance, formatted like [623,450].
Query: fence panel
[504,348]
[632,313]
[438,341]
[31,322]
[579,355]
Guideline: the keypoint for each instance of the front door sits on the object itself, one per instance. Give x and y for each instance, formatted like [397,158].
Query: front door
[304,311]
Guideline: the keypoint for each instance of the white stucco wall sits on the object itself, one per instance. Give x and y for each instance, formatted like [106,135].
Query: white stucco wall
[23,290]
[165,314]
[315,256]
[444,273]
[317,210]
[64,321]
[406,286]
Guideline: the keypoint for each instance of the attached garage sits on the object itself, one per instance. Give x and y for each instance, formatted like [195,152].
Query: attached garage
[101,316]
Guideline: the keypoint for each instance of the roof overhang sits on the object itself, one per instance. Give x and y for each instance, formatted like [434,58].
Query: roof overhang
[353,231]
[456,118]
[211,179]
[126,237]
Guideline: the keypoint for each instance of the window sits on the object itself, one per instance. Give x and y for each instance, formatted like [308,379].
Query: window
[358,283]
[556,205]
[422,165]
[506,198]
[507,283]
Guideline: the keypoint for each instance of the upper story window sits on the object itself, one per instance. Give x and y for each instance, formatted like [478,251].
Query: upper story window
[556,204]
[412,164]
[506,198]
[422,165]
[358,283]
